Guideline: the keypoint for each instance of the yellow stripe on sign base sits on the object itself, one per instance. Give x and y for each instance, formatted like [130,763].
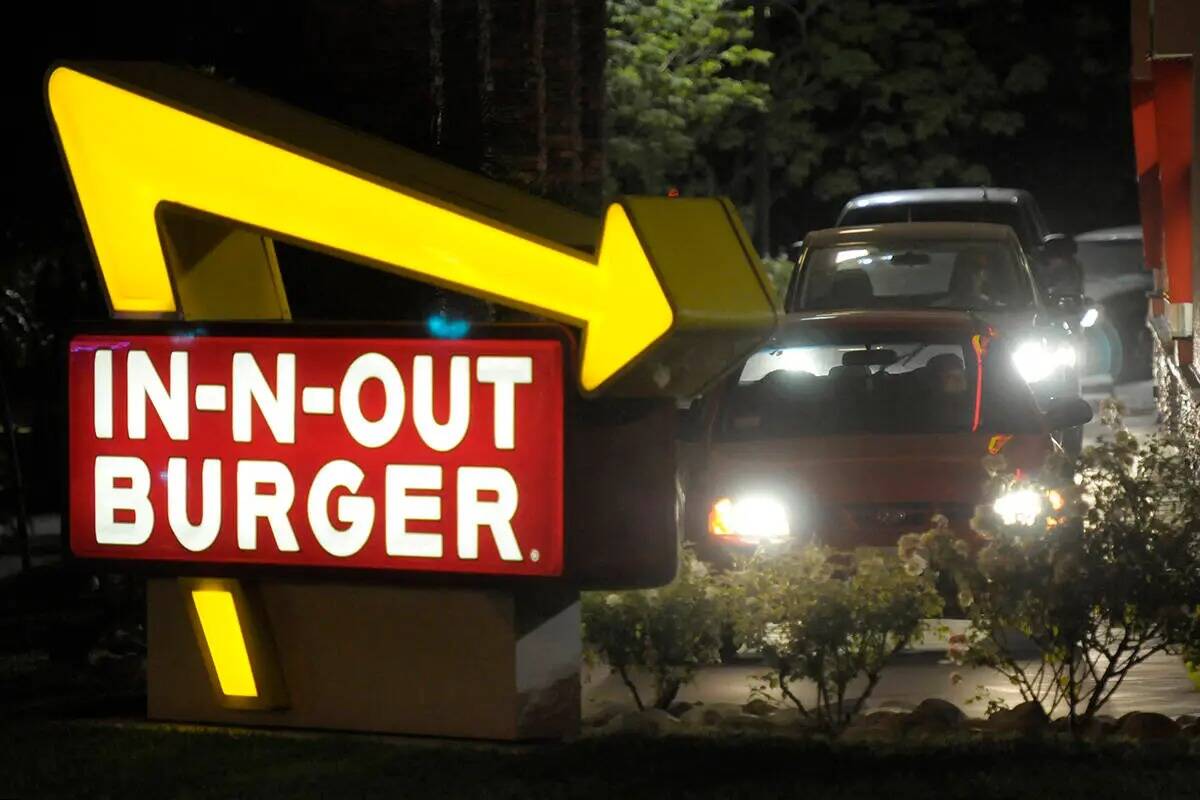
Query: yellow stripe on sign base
[226,642]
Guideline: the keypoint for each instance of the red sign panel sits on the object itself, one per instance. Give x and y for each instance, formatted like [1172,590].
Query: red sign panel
[392,454]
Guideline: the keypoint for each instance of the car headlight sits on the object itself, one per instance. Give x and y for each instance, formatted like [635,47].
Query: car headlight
[1019,507]
[754,519]
[1089,317]
[1035,361]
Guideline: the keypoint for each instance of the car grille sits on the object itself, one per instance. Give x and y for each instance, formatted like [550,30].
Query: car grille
[906,516]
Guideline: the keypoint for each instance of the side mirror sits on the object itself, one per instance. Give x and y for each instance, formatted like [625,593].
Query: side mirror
[1058,245]
[794,249]
[1068,412]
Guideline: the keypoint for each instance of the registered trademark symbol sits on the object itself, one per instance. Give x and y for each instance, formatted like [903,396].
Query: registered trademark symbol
[534,555]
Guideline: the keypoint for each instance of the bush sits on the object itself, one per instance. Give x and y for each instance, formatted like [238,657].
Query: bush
[668,632]
[1103,577]
[828,618]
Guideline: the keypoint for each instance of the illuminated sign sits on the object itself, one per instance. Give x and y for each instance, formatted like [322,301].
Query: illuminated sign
[369,453]
[184,182]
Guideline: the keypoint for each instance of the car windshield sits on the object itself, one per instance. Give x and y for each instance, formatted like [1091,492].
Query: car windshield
[995,213]
[965,275]
[877,384]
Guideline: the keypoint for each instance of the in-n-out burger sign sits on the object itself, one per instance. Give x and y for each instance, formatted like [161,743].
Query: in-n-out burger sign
[406,454]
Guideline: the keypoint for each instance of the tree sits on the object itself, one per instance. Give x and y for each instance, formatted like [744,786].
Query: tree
[832,99]
[667,633]
[873,94]
[828,618]
[678,94]
[1102,577]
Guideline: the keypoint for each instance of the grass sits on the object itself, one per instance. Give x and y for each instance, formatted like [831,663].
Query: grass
[103,760]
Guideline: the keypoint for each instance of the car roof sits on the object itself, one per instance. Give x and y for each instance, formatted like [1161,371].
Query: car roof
[1123,233]
[799,324]
[965,194]
[910,231]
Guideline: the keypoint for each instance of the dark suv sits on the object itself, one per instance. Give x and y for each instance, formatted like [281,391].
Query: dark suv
[1015,208]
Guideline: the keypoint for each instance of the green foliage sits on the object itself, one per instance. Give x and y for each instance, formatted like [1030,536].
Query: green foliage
[827,618]
[668,632]
[1099,585]
[677,86]
[870,94]
[854,95]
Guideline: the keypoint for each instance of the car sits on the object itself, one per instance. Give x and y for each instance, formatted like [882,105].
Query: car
[1117,284]
[1015,208]
[967,266]
[852,428]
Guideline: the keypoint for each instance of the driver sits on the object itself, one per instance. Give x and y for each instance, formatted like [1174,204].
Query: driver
[971,280]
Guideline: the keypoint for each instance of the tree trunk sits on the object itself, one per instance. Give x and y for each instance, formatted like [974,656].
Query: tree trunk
[762,159]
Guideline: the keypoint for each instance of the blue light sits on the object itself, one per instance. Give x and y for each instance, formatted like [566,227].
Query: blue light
[443,327]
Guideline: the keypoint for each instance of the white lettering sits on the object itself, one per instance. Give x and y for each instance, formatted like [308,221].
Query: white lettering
[442,437]
[111,498]
[357,513]
[272,507]
[102,394]
[381,431]
[196,538]
[504,372]
[402,507]
[143,383]
[497,514]
[278,408]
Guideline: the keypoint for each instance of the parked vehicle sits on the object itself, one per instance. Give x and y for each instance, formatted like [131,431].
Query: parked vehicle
[854,427]
[956,266]
[1015,208]
[1117,282]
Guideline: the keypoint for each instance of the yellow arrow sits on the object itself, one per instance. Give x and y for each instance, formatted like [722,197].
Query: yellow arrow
[135,156]
[127,154]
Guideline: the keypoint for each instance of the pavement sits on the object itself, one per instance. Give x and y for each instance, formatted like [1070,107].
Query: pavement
[1161,684]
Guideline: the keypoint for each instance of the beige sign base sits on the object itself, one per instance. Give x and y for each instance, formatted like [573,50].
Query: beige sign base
[485,664]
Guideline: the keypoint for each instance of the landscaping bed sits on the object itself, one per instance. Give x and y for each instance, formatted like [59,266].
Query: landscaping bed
[102,760]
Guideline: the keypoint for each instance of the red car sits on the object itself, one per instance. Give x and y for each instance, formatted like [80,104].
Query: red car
[855,427]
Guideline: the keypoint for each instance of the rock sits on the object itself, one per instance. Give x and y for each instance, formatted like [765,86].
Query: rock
[896,705]
[881,726]
[1025,719]
[1092,729]
[936,713]
[1147,725]
[603,713]
[759,707]
[745,723]
[1187,719]
[1191,730]
[650,722]
[789,718]
[709,714]
[681,707]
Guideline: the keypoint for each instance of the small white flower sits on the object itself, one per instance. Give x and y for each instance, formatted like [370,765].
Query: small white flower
[613,600]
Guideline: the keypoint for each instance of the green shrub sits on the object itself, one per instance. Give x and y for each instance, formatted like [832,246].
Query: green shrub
[828,618]
[668,633]
[1102,578]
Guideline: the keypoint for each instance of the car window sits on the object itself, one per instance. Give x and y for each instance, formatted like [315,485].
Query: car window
[1112,258]
[889,384]
[965,275]
[995,213]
